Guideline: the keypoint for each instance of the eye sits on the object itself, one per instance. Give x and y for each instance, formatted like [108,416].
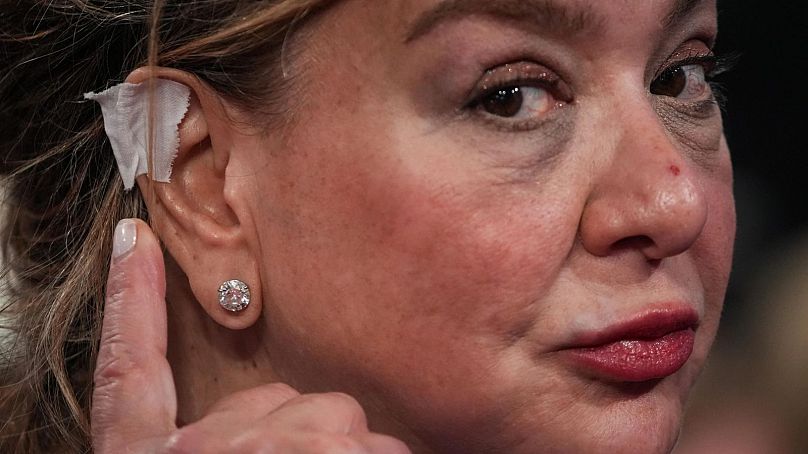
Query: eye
[518,96]
[685,82]
[517,102]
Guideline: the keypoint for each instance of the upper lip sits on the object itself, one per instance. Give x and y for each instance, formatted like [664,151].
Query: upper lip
[648,325]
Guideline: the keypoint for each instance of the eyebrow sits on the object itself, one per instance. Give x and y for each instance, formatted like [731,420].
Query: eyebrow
[547,14]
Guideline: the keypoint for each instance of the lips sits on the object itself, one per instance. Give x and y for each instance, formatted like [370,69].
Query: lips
[651,346]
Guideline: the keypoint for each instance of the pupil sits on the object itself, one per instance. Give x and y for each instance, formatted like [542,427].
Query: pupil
[505,102]
[670,83]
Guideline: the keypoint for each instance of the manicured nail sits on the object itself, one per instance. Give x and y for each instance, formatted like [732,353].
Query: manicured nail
[125,237]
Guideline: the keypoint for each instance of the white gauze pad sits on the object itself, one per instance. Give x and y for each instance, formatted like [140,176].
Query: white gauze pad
[126,120]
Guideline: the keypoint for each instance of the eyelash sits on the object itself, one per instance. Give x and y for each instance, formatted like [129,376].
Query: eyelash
[722,64]
[545,80]
[548,81]
[714,65]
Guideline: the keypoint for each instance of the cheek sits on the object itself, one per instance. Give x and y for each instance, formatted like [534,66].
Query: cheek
[466,257]
[715,247]
[453,275]
[414,261]
[714,250]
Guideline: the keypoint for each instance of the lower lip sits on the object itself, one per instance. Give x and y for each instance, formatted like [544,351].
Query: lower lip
[637,360]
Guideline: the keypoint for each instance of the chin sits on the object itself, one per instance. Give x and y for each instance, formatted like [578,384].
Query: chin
[638,418]
[642,428]
[613,418]
[642,425]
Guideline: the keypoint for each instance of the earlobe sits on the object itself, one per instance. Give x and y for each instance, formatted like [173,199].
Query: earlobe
[192,214]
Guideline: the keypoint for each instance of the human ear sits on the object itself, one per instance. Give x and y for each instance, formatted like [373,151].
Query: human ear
[198,219]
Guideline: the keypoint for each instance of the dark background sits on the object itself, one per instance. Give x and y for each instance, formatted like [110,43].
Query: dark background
[766,126]
[753,395]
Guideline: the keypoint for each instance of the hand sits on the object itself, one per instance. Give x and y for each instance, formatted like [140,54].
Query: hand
[134,399]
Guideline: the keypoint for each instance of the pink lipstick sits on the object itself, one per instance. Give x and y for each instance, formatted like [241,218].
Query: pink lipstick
[651,346]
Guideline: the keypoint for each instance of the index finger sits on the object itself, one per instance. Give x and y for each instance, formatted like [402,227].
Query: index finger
[133,397]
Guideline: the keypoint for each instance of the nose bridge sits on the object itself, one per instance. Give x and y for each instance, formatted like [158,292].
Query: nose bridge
[647,154]
[646,190]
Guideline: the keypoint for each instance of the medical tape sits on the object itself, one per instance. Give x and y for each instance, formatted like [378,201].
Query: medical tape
[126,121]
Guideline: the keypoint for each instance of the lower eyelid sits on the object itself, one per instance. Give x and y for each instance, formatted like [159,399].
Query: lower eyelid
[522,125]
[687,111]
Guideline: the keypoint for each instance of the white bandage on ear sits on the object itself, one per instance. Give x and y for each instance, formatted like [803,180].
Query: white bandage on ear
[126,120]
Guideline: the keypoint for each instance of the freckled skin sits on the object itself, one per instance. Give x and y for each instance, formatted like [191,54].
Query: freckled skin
[409,267]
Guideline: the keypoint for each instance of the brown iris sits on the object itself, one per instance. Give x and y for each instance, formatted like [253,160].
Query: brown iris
[670,83]
[505,102]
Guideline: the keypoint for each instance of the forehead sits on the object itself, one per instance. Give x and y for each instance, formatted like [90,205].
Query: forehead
[415,18]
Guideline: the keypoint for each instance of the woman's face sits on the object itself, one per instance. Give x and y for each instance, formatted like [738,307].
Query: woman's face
[475,198]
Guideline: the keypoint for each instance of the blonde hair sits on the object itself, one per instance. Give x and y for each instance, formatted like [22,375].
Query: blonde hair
[62,190]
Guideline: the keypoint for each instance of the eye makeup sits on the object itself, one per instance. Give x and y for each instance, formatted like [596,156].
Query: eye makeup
[689,72]
[518,96]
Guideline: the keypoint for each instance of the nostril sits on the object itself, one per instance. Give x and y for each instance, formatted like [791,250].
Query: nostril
[645,244]
[638,242]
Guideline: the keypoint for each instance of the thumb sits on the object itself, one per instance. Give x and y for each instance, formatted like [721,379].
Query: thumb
[133,397]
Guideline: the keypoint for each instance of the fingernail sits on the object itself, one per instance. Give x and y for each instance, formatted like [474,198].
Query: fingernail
[125,237]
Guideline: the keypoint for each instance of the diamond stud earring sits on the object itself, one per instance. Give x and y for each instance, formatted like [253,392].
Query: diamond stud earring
[234,295]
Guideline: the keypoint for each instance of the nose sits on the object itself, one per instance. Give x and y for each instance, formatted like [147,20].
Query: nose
[647,198]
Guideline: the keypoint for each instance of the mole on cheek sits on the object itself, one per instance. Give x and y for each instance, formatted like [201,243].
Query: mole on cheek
[675,170]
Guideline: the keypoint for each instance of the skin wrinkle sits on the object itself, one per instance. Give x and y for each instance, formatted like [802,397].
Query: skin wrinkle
[546,14]
[551,148]
[679,11]
[696,134]
[517,169]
